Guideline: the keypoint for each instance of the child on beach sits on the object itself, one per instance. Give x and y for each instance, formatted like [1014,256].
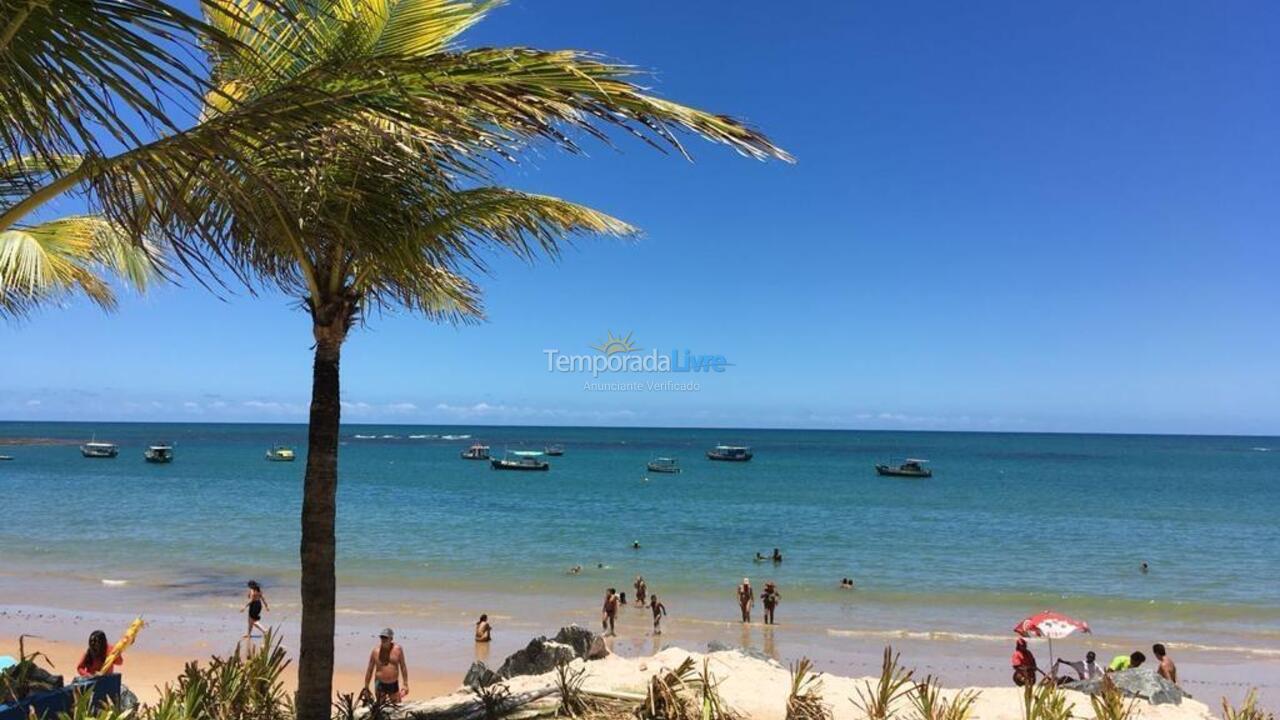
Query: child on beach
[255,603]
[659,610]
[96,655]
[641,590]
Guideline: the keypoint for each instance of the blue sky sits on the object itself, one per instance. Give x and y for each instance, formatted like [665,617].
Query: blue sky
[1005,216]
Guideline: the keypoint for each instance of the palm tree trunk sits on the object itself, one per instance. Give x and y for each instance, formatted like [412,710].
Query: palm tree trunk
[319,505]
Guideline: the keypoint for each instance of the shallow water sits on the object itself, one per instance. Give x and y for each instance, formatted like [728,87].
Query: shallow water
[1009,524]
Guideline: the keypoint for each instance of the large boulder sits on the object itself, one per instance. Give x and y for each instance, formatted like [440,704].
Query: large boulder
[539,656]
[1143,683]
[479,675]
[586,644]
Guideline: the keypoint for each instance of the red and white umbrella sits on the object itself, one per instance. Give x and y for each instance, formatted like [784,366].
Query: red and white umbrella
[1051,625]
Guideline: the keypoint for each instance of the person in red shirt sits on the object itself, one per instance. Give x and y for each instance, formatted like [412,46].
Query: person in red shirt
[93,658]
[1024,664]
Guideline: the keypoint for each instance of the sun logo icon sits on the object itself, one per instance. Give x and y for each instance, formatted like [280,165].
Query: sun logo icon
[613,345]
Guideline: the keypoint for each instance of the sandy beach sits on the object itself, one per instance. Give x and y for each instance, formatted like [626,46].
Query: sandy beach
[440,649]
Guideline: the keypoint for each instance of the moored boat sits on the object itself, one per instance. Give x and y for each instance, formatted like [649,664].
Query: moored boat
[911,467]
[554,450]
[476,452]
[158,453]
[730,453]
[281,453]
[521,460]
[6,457]
[95,449]
[664,465]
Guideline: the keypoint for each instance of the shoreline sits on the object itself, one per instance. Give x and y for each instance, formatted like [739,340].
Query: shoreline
[440,647]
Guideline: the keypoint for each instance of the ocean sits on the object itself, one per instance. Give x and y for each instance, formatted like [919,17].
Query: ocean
[1010,524]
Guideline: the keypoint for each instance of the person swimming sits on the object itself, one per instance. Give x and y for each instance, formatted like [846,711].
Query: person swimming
[635,545]
[760,556]
[484,631]
[777,555]
[575,570]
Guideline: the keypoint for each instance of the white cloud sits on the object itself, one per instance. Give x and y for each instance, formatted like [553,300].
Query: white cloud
[402,407]
[484,410]
[33,403]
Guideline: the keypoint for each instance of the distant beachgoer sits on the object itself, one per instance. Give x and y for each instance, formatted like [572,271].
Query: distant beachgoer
[484,630]
[746,599]
[1127,662]
[387,659]
[760,556]
[1024,664]
[622,598]
[659,610]
[635,545]
[846,584]
[777,555]
[1087,670]
[642,590]
[575,570]
[255,603]
[770,597]
[96,654]
[1145,568]
[1167,669]
[609,613]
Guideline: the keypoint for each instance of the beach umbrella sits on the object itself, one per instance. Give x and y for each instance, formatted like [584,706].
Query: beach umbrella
[126,640]
[1050,625]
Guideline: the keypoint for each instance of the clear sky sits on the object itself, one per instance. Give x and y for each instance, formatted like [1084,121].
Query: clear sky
[1005,216]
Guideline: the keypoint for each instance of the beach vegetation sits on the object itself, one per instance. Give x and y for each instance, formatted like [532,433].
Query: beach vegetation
[26,677]
[930,703]
[881,700]
[1046,701]
[1248,710]
[805,699]
[573,701]
[494,700]
[1110,703]
[685,693]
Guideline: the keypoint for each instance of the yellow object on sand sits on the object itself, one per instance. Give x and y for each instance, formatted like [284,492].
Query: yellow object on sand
[125,641]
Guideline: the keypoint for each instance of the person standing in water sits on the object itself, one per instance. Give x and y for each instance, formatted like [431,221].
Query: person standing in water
[642,590]
[255,603]
[609,613]
[483,629]
[387,660]
[659,610]
[770,597]
[96,656]
[746,599]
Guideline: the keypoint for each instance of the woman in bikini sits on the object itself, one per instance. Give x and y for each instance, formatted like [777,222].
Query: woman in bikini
[255,603]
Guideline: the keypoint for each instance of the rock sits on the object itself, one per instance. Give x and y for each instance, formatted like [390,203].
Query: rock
[716,646]
[479,675]
[586,644]
[1143,683]
[539,656]
[128,700]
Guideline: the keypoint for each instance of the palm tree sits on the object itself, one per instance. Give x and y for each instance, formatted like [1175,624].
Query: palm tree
[43,262]
[394,206]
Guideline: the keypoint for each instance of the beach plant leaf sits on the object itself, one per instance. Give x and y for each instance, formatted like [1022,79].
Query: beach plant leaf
[930,703]
[880,701]
[1248,710]
[805,700]
[1045,701]
[1110,703]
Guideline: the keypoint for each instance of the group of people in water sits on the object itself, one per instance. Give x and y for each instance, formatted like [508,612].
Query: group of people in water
[1025,669]
[769,597]
[613,600]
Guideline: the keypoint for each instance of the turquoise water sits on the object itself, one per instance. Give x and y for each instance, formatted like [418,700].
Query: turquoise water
[1009,524]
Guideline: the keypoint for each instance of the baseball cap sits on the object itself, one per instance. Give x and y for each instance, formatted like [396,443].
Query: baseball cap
[387,633]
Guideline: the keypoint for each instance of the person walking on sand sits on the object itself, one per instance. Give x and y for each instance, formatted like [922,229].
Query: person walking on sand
[659,610]
[387,660]
[746,599]
[642,590]
[1167,669]
[770,597]
[483,629]
[609,613]
[255,603]
[96,656]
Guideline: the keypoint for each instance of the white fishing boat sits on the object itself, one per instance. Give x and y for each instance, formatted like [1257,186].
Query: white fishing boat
[521,460]
[103,450]
[160,453]
[281,453]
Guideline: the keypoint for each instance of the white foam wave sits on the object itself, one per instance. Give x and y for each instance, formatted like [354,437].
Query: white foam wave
[114,583]
[366,437]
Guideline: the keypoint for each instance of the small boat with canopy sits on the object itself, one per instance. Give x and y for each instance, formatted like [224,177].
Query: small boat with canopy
[521,460]
[911,467]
